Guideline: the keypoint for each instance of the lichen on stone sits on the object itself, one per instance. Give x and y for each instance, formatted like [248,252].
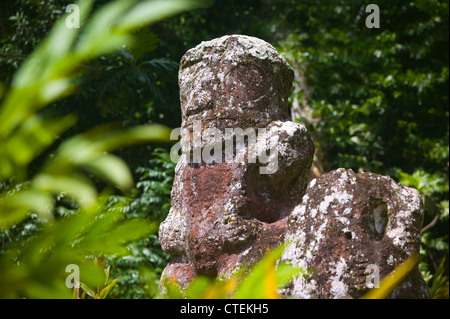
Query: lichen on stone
[347,222]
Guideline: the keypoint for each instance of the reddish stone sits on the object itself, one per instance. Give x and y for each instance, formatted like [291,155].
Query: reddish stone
[225,215]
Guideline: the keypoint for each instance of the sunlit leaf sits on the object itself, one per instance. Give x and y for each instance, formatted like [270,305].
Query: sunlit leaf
[113,169]
[95,40]
[172,289]
[55,89]
[88,290]
[107,270]
[34,136]
[138,134]
[60,40]
[15,208]
[131,229]
[154,10]
[80,188]
[105,291]
[261,282]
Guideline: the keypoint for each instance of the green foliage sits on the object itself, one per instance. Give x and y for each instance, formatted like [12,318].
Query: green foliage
[433,188]
[130,77]
[425,183]
[439,288]
[28,22]
[141,269]
[35,268]
[378,100]
[98,293]
[434,246]
[155,184]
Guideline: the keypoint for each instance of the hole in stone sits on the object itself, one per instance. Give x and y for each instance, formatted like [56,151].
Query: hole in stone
[261,202]
[348,235]
[377,217]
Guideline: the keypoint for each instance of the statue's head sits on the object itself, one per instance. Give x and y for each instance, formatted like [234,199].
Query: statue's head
[234,81]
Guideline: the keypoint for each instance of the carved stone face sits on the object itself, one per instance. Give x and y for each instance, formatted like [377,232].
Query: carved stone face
[231,213]
[346,224]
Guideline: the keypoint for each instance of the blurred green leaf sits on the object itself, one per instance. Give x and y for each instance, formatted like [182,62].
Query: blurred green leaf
[33,137]
[151,11]
[35,268]
[78,187]
[15,208]
[112,169]
[266,277]
[356,128]
[100,37]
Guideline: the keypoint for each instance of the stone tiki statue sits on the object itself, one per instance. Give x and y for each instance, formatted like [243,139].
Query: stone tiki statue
[229,211]
[227,214]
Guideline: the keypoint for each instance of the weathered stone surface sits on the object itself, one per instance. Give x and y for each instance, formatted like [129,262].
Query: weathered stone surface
[347,221]
[228,214]
[234,81]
